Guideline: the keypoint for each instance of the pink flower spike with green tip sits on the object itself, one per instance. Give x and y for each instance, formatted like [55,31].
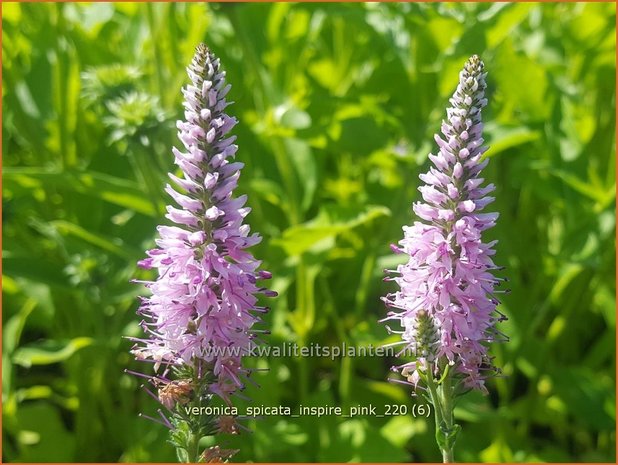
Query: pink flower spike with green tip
[203,304]
[446,301]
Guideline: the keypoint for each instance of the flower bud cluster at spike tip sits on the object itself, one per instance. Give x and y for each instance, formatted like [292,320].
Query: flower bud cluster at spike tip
[448,275]
[205,295]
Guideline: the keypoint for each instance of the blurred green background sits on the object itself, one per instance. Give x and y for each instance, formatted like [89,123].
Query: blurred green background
[337,106]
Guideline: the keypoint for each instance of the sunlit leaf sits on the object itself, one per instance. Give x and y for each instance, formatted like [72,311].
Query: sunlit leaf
[48,352]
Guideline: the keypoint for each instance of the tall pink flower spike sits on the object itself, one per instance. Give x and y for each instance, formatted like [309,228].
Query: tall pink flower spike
[203,303]
[446,302]
[449,271]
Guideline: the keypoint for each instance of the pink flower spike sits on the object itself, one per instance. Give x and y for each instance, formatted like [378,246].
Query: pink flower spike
[200,313]
[446,292]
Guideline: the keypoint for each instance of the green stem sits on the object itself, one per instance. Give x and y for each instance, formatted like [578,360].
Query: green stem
[156,49]
[303,370]
[448,418]
[435,400]
[194,449]
[194,434]
[446,430]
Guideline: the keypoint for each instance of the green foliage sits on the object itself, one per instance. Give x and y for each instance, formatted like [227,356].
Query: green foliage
[337,106]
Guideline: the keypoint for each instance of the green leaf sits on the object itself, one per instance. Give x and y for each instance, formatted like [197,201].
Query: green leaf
[585,392]
[330,222]
[112,245]
[522,100]
[12,329]
[603,196]
[42,434]
[34,269]
[11,12]
[356,440]
[497,452]
[11,333]
[50,351]
[269,190]
[503,138]
[507,20]
[296,119]
[118,191]
[303,159]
